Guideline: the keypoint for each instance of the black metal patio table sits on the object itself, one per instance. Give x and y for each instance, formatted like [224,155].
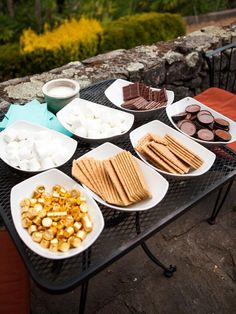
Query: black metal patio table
[123,231]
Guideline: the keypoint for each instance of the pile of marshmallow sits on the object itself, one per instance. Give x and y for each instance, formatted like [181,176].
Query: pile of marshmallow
[95,122]
[33,151]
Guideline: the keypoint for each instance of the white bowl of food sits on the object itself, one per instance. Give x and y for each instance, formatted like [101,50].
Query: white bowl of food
[39,231]
[60,92]
[32,148]
[152,98]
[201,123]
[156,184]
[94,123]
[170,153]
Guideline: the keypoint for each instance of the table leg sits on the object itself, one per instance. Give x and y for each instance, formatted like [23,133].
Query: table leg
[168,271]
[87,255]
[218,203]
[83,297]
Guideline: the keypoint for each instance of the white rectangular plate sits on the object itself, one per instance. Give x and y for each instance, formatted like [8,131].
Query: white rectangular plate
[157,184]
[49,179]
[180,106]
[161,129]
[69,144]
[77,106]
[115,94]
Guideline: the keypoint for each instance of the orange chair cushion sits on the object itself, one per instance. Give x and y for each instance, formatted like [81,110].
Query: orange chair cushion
[222,101]
[14,283]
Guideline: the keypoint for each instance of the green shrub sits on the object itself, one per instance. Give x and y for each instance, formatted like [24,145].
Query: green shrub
[141,29]
[10,63]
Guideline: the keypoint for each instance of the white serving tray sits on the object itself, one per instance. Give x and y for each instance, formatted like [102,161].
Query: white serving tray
[157,184]
[161,129]
[180,106]
[68,143]
[78,103]
[49,179]
[115,94]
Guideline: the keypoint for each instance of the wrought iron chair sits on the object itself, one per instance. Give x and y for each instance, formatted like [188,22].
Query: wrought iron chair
[222,67]
[222,81]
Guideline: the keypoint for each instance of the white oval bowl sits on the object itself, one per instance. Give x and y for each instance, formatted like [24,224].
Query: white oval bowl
[161,129]
[49,179]
[180,106]
[68,143]
[115,94]
[153,179]
[78,104]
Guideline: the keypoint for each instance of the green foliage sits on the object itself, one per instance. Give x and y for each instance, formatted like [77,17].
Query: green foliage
[147,28]
[10,64]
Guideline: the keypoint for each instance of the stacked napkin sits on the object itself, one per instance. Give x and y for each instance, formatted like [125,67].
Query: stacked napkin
[33,112]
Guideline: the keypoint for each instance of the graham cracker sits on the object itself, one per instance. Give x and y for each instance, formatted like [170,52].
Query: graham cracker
[187,155]
[139,173]
[131,177]
[85,166]
[78,173]
[157,161]
[124,179]
[116,181]
[163,152]
[112,193]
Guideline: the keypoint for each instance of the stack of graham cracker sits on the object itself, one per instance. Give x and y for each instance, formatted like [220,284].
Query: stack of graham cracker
[168,154]
[117,180]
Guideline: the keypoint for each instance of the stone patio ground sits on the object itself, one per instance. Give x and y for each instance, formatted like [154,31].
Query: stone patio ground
[203,284]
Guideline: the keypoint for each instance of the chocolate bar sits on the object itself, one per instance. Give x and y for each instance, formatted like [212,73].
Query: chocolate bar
[139,96]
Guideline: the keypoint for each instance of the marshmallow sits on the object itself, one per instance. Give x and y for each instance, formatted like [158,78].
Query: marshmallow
[41,149]
[13,159]
[33,164]
[24,153]
[23,164]
[12,146]
[22,135]
[10,135]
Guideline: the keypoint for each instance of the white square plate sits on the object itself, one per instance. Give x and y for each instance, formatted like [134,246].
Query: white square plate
[157,185]
[78,105]
[49,179]
[180,106]
[161,129]
[69,144]
[115,94]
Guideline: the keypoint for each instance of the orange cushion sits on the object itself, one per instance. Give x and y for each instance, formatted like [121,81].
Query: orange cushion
[222,101]
[14,283]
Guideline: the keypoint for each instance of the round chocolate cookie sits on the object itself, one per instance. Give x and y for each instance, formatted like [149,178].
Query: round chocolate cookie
[222,135]
[188,127]
[179,116]
[192,109]
[205,119]
[222,124]
[204,112]
[205,135]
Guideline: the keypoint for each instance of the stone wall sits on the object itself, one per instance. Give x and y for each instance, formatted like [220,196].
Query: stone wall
[178,65]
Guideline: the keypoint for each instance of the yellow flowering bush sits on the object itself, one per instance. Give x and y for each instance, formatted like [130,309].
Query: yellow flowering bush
[72,40]
[69,35]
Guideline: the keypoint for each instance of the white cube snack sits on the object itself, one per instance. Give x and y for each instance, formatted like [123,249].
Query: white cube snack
[94,122]
[10,136]
[33,151]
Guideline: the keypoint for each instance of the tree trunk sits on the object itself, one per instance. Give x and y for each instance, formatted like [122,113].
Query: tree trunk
[38,14]
[10,8]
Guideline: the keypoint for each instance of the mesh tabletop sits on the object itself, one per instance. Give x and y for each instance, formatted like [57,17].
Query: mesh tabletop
[120,231]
